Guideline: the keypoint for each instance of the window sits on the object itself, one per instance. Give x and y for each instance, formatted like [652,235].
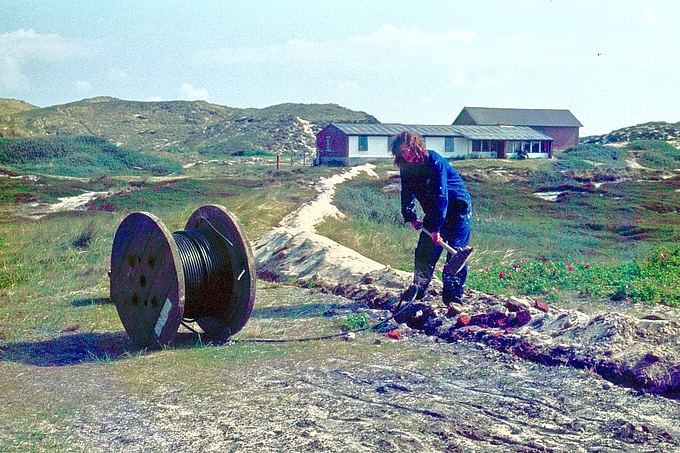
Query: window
[494,145]
[535,147]
[448,144]
[363,143]
[476,146]
[485,146]
[328,142]
[514,146]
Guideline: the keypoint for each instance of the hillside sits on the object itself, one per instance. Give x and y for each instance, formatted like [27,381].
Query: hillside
[211,129]
[182,125]
[655,130]
[12,106]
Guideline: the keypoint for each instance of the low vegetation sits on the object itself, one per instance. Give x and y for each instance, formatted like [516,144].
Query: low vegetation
[82,156]
[180,126]
[611,233]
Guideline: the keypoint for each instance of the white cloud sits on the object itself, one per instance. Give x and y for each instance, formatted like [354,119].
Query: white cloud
[390,69]
[82,85]
[117,74]
[21,47]
[346,89]
[651,19]
[387,41]
[189,93]
[458,79]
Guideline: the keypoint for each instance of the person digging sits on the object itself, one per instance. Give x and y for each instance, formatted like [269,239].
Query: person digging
[430,179]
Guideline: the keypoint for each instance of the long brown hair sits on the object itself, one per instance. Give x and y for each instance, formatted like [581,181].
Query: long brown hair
[414,141]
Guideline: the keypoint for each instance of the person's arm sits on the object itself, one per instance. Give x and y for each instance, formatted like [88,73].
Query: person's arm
[408,199]
[440,202]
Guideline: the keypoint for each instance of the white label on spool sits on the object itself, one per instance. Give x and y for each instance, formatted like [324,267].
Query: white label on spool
[163,317]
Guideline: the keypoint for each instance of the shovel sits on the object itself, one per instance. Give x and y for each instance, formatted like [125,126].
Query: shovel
[458,257]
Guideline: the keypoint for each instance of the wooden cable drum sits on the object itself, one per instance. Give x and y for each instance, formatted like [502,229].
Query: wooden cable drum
[204,274]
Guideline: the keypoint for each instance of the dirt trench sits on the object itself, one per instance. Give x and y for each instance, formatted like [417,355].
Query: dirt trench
[637,351]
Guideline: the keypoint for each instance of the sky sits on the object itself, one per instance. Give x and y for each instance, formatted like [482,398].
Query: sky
[611,63]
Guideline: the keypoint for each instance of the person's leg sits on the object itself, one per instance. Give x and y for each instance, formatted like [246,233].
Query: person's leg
[426,257]
[456,232]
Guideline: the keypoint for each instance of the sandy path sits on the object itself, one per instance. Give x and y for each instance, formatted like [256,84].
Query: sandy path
[294,251]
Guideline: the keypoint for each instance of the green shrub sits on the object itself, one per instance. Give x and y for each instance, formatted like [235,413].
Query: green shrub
[655,279]
[81,156]
[582,157]
[368,202]
[245,142]
[596,153]
[655,154]
[355,321]
[571,163]
[252,153]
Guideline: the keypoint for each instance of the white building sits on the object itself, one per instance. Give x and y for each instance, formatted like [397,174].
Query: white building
[354,143]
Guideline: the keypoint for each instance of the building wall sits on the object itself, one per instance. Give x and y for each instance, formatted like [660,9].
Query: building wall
[335,147]
[331,143]
[378,147]
[461,147]
[563,137]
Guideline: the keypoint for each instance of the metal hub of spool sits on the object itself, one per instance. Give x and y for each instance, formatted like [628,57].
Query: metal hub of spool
[204,273]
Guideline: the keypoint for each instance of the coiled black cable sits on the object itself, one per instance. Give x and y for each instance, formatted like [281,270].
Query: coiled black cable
[207,273]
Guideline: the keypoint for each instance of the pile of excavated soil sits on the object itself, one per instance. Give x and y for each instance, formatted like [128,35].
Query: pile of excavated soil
[640,352]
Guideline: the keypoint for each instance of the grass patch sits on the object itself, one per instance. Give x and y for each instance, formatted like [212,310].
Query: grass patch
[655,279]
[591,156]
[655,154]
[80,156]
[625,221]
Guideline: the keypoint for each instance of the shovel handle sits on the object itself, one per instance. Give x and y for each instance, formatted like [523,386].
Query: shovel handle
[446,246]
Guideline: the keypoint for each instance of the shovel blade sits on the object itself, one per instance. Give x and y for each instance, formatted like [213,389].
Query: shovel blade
[458,260]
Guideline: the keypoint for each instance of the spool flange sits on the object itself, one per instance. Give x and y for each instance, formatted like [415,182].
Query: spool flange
[147,280]
[236,304]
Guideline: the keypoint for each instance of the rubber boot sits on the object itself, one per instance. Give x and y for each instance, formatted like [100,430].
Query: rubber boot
[454,286]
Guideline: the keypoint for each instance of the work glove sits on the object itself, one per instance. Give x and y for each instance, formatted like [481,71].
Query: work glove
[417,224]
[436,237]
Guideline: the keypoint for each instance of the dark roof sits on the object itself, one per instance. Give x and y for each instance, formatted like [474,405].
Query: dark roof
[469,132]
[519,117]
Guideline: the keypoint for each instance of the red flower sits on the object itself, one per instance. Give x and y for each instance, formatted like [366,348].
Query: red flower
[501,275]
[664,255]
[570,269]
[588,266]
[515,265]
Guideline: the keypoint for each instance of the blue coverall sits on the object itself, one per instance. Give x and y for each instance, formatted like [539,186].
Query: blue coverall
[447,206]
